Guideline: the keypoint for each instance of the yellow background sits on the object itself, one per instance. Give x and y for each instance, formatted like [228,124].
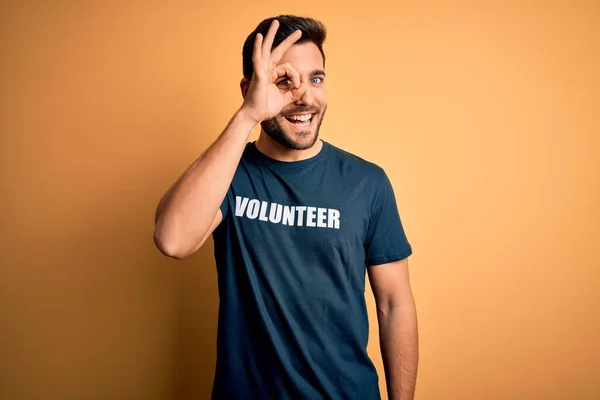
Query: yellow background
[484,114]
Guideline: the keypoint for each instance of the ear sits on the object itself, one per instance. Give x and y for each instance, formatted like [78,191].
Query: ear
[244,86]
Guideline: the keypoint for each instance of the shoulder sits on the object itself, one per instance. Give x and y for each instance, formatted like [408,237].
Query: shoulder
[355,164]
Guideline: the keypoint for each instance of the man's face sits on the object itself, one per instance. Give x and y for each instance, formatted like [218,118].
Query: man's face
[297,125]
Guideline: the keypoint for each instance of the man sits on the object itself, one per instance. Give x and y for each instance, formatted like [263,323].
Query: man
[297,223]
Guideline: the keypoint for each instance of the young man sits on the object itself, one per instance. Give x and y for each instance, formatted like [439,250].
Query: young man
[297,223]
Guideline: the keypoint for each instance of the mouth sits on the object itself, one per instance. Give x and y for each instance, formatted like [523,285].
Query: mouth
[300,120]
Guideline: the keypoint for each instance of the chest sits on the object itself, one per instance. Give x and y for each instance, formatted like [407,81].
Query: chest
[331,217]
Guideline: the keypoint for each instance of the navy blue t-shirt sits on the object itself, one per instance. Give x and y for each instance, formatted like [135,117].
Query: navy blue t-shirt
[291,254]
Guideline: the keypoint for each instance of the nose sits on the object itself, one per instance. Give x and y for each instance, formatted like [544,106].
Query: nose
[307,98]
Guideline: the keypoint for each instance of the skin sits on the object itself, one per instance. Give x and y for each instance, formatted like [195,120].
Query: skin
[398,330]
[279,138]
[287,80]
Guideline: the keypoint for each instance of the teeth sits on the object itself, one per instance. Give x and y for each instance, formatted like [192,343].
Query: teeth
[303,117]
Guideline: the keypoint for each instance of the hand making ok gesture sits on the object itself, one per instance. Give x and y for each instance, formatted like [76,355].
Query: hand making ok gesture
[264,99]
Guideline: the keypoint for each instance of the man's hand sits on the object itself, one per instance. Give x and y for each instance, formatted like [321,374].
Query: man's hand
[264,99]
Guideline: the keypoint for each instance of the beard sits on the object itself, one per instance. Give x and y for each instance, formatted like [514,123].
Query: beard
[299,140]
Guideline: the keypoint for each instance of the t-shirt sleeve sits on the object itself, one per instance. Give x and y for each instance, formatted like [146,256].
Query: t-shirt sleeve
[225,204]
[385,240]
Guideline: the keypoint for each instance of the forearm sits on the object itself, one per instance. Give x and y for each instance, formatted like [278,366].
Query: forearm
[398,337]
[186,212]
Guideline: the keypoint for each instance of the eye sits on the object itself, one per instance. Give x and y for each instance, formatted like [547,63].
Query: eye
[317,80]
[284,82]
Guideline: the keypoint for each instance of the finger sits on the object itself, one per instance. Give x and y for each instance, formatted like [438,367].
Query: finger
[257,48]
[266,46]
[296,94]
[280,50]
[286,69]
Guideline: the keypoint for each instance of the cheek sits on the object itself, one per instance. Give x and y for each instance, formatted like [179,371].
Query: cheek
[321,97]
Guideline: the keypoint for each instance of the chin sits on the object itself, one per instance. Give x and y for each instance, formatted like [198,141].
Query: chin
[304,144]
[305,138]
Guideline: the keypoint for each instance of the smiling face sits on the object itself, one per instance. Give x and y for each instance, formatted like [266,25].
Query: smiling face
[297,125]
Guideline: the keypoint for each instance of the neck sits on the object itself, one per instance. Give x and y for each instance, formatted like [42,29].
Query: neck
[279,152]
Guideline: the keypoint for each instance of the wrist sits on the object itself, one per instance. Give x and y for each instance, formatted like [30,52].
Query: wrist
[246,117]
[242,122]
